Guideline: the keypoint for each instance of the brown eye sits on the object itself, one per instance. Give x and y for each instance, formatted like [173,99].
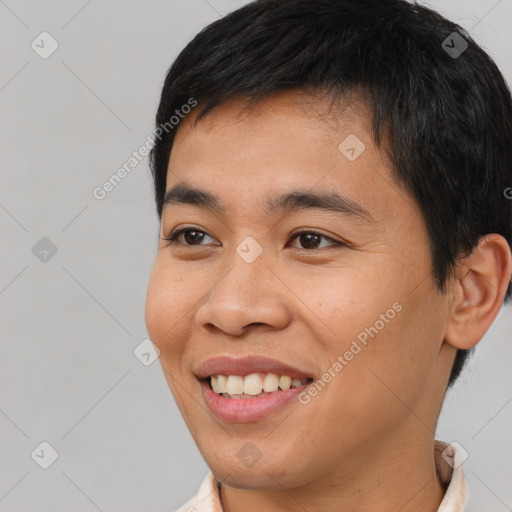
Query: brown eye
[311,239]
[191,236]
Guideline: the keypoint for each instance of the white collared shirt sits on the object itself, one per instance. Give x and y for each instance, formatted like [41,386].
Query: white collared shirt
[448,468]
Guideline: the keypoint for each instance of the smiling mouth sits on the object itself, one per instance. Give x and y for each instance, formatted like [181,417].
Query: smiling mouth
[254,385]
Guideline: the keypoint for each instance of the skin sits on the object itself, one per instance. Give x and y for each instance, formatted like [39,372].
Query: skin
[365,441]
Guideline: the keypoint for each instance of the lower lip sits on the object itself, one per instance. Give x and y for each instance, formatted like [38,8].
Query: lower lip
[244,410]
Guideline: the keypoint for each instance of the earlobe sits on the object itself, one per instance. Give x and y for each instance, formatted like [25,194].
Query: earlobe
[480,284]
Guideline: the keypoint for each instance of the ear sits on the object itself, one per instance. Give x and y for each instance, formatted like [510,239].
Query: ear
[481,280]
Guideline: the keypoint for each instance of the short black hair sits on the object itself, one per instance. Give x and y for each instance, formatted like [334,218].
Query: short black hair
[446,109]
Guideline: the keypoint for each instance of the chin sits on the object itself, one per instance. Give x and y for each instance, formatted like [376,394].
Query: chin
[255,479]
[257,474]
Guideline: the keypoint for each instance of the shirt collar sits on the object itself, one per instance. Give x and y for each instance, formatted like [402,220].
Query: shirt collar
[448,468]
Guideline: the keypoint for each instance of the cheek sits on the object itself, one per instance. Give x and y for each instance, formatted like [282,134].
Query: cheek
[402,357]
[387,378]
[166,305]
[376,323]
[353,302]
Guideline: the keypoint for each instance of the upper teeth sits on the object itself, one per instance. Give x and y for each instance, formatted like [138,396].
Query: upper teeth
[254,383]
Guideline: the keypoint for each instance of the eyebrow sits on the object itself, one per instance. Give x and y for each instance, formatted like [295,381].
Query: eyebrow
[182,194]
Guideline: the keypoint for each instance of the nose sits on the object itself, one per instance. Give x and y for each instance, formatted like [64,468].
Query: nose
[248,294]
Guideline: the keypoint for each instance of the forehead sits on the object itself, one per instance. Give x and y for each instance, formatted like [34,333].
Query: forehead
[315,108]
[290,130]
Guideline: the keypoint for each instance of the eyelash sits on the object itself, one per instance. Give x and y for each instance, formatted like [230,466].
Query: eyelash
[172,238]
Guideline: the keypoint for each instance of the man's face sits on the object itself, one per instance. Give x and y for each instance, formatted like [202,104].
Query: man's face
[350,303]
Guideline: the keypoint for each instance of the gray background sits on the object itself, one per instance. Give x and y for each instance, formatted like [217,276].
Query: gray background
[68,374]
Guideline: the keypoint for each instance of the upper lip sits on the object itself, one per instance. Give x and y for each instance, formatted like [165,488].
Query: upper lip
[229,365]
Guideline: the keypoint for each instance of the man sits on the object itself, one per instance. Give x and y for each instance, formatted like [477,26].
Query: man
[335,239]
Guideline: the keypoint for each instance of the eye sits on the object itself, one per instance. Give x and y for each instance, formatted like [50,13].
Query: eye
[310,239]
[193,236]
